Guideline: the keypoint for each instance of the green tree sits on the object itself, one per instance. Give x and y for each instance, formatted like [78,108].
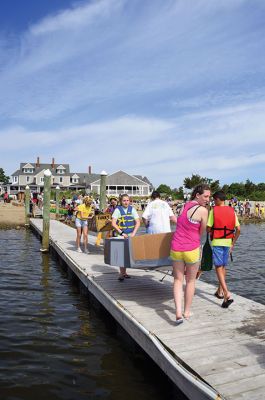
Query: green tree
[190,183]
[237,189]
[164,189]
[225,188]
[214,185]
[249,187]
[3,177]
[261,187]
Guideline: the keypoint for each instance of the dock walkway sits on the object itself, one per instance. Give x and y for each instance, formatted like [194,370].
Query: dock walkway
[217,354]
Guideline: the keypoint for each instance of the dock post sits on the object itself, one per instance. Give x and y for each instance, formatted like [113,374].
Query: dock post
[57,191]
[46,211]
[27,205]
[102,202]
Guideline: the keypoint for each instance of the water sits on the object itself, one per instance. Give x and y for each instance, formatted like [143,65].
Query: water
[54,345]
[246,274]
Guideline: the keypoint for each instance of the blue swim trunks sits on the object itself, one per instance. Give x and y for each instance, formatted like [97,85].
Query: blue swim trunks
[220,255]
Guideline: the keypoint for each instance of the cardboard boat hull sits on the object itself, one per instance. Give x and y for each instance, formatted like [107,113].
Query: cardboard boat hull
[143,251]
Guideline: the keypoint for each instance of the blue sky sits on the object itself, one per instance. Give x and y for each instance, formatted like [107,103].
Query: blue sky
[162,88]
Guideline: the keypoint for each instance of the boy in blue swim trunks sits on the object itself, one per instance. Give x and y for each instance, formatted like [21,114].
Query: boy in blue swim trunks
[225,229]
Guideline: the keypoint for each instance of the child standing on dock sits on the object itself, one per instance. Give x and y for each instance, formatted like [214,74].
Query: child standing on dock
[83,212]
[186,248]
[225,230]
[126,222]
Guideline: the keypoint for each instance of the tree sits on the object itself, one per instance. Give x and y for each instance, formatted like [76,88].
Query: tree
[190,183]
[260,186]
[3,178]
[249,187]
[237,189]
[164,189]
[214,186]
[225,188]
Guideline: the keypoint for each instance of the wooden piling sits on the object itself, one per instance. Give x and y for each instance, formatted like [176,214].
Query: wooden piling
[27,205]
[46,210]
[57,191]
[102,204]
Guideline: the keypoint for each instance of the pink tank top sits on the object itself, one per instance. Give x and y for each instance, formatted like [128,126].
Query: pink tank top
[187,234]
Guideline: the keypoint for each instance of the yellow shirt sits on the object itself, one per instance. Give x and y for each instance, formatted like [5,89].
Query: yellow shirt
[86,210]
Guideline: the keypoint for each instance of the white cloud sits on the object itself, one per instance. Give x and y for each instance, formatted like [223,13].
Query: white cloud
[111,51]
[154,147]
[75,17]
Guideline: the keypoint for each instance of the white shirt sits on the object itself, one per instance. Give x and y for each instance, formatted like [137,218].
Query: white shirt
[158,213]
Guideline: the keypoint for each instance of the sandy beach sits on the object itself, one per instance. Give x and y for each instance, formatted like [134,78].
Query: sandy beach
[11,215]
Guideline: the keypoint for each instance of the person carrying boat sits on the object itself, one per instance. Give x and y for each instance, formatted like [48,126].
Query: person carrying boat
[84,210]
[113,202]
[225,229]
[186,248]
[157,215]
[126,222]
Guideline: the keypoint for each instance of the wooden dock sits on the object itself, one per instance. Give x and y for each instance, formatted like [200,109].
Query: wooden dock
[217,354]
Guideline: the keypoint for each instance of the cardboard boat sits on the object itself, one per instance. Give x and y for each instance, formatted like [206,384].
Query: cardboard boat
[143,251]
[100,223]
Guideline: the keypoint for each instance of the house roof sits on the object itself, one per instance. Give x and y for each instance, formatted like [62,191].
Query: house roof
[16,173]
[121,178]
[85,177]
[42,166]
[143,178]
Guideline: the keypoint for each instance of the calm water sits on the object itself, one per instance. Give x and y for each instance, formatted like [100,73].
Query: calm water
[53,345]
[246,275]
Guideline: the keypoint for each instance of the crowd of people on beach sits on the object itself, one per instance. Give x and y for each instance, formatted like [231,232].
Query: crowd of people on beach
[200,213]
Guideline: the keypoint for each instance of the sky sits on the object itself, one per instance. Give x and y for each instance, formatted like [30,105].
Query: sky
[159,88]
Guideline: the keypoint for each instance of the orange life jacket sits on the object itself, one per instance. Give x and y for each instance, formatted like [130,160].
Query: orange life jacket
[224,221]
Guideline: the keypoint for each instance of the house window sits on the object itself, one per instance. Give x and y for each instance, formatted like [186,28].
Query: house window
[15,179]
[28,170]
[61,179]
[41,179]
[27,179]
[60,171]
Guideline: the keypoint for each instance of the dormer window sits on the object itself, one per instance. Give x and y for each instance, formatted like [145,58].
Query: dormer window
[28,170]
[60,170]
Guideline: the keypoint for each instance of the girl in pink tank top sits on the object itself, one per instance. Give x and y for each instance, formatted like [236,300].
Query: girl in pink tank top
[187,235]
[185,248]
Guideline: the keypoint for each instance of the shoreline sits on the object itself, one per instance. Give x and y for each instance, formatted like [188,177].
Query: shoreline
[12,216]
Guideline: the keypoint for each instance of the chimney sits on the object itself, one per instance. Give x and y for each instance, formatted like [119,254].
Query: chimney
[38,162]
[89,170]
[53,163]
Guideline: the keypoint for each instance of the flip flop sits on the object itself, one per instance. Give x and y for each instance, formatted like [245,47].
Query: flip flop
[218,295]
[179,321]
[121,278]
[227,303]
[126,276]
